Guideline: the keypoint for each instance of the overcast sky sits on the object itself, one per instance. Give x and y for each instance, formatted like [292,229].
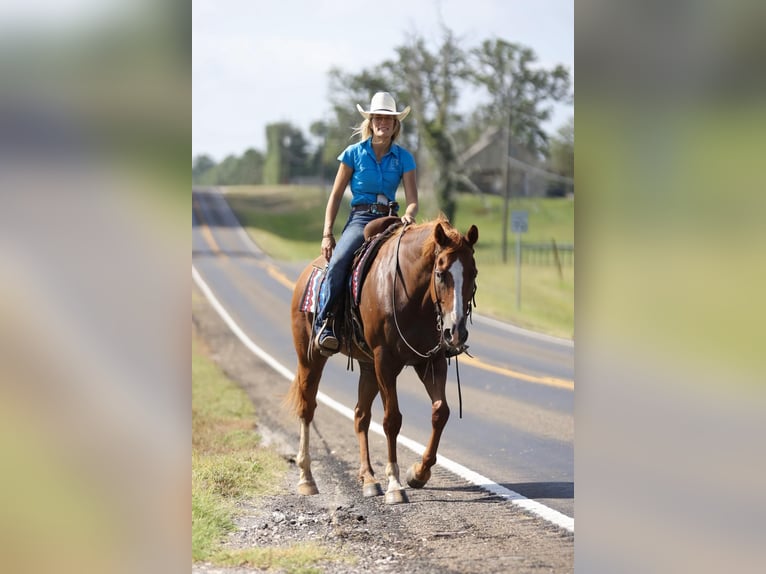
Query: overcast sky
[256,62]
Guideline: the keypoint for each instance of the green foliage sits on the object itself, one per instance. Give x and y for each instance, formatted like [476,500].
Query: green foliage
[286,154]
[244,170]
[518,90]
[431,81]
[561,157]
[200,165]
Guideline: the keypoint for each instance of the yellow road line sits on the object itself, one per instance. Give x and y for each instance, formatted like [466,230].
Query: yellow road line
[276,274]
[206,233]
[549,381]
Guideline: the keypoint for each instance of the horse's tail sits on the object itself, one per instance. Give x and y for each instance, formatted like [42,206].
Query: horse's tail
[293,399]
[300,399]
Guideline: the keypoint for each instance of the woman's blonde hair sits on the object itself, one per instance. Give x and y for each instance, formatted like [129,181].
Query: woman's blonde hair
[364,130]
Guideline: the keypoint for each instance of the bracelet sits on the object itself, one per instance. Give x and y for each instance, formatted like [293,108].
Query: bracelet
[328,236]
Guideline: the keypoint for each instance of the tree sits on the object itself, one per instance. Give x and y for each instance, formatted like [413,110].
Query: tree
[431,81]
[517,91]
[561,156]
[227,171]
[250,168]
[323,162]
[286,154]
[200,165]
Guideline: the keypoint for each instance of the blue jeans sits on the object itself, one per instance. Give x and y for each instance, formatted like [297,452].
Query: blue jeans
[336,278]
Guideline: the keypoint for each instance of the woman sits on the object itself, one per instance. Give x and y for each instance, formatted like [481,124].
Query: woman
[373,168]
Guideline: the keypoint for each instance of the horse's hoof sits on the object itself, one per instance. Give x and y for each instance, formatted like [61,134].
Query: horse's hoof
[372,489]
[397,497]
[413,481]
[307,488]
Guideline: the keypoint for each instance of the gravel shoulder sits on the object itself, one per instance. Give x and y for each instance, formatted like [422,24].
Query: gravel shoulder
[450,526]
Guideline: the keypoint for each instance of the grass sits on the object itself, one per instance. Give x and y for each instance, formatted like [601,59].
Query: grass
[286,221]
[228,464]
[297,559]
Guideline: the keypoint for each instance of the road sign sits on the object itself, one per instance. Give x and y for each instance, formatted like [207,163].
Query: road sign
[519,221]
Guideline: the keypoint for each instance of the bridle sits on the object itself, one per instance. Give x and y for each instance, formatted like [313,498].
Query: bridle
[439,314]
[439,320]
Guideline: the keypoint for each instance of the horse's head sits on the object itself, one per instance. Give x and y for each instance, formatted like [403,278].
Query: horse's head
[454,283]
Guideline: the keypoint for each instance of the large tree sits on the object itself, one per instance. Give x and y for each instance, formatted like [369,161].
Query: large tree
[519,91]
[431,81]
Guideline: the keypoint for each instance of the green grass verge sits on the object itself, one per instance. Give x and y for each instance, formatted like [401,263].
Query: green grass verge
[296,559]
[286,221]
[228,464]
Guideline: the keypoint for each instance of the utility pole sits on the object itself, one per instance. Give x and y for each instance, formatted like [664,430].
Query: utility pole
[506,185]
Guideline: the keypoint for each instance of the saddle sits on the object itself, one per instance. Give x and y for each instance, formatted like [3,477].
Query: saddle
[350,329]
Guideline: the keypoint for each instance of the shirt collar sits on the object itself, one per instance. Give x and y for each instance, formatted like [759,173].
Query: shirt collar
[393,150]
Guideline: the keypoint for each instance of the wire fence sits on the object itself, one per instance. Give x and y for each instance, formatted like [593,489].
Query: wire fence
[547,253]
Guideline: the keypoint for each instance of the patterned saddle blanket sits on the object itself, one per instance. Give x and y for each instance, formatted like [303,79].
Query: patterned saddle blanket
[363,257]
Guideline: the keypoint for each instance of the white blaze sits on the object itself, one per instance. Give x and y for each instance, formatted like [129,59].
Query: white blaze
[453,316]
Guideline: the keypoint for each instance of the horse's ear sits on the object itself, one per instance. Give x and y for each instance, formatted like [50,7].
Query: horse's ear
[473,235]
[440,236]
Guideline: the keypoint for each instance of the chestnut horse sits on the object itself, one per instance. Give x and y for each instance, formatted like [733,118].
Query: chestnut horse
[413,307]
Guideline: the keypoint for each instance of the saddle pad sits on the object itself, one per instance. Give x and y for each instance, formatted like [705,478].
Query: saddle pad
[363,259]
[311,294]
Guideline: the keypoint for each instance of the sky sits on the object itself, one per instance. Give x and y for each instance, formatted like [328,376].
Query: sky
[256,62]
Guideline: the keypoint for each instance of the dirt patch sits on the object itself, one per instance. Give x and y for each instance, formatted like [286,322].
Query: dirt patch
[449,526]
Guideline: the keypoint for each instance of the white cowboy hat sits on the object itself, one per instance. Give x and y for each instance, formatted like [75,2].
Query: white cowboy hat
[383,104]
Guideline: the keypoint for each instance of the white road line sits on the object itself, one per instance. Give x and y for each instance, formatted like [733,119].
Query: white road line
[463,472]
[521,331]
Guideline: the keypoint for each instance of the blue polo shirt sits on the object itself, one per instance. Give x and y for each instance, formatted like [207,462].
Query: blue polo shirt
[370,177]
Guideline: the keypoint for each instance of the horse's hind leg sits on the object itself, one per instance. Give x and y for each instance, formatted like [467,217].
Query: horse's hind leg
[302,395]
[368,390]
[434,377]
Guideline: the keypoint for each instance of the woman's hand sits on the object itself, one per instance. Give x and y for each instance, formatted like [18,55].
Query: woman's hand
[407,219]
[328,244]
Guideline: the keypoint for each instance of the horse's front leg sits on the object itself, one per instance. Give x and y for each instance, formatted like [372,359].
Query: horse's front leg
[434,377]
[368,390]
[392,423]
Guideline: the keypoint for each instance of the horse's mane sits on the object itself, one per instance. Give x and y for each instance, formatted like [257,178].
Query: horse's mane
[429,245]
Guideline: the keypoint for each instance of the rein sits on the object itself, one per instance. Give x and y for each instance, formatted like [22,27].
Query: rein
[438,346]
[398,269]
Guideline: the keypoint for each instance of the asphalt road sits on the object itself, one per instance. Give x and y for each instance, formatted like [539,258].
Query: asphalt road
[518,391]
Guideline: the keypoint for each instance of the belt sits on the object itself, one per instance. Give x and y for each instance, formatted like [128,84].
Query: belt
[391,208]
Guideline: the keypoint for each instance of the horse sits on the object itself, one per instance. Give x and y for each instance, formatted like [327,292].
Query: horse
[414,306]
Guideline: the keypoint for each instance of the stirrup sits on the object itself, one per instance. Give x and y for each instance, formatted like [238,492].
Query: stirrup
[325,339]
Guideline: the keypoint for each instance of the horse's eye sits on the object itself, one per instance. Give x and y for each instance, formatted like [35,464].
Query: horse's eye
[438,275]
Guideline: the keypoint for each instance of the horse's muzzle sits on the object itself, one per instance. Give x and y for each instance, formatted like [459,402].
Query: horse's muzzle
[455,338]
